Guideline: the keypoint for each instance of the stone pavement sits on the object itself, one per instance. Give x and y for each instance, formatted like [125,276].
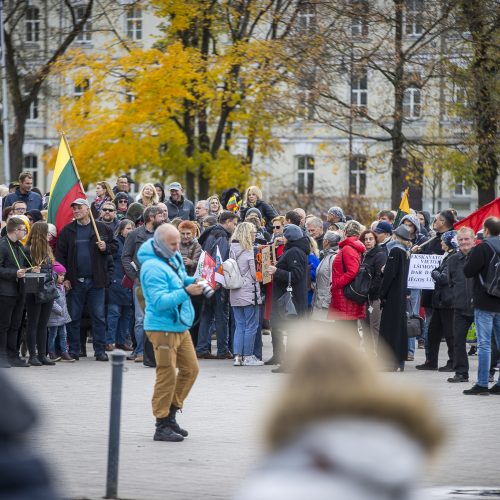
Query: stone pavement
[223,414]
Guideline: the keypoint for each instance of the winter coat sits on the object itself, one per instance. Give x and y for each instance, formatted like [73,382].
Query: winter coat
[323,292]
[213,237]
[118,294]
[191,251]
[66,253]
[33,200]
[60,314]
[312,266]
[183,209]
[345,267]
[10,286]
[477,264]
[293,261]
[393,292]
[340,459]
[442,298]
[460,285]
[168,305]
[375,260]
[267,211]
[133,242]
[249,293]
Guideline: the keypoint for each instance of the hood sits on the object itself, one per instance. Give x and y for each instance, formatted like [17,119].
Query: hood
[35,214]
[427,217]
[304,244]
[494,241]
[214,231]
[353,241]
[414,220]
[368,451]
[146,252]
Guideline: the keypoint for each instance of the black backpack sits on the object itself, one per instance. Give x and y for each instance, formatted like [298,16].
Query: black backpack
[357,290]
[492,282]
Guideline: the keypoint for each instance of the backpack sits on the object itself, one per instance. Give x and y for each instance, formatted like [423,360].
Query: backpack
[492,282]
[357,290]
[232,274]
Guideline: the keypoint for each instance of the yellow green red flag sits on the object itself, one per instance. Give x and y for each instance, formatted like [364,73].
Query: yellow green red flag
[65,188]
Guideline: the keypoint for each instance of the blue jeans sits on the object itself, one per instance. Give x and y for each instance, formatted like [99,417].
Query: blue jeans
[217,307]
[139,325]
[487,323]
[81,293]
[118,323]
[247,324]
[257,347]
[415,309]
[54,331]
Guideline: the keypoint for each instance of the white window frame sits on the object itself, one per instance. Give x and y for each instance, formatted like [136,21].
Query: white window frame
[413,19]
[134,24]
[305,173]
[359,23]
[80,89]
[306,17]
[30,164]
[412,103]
[358,168]
[359,89]
[32,24]
[33,113]
[461,189]
[85,36]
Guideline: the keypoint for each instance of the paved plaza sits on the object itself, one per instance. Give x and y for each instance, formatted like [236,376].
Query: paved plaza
[223,415]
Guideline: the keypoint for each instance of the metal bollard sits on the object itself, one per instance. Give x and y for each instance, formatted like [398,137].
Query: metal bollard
[117,361]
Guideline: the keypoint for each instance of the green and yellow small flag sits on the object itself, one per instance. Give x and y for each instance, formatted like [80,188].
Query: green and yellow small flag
[404,208]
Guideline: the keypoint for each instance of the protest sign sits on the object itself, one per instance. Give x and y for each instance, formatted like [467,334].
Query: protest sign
[421,267]
[258,264]
[266,262]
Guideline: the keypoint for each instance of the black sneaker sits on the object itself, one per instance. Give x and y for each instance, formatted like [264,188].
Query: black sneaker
[477,390]
[495,389]
[18,362]
[101,357]
[46,361]
[458,377]
[34,361]
[164,433]
[446,368]
[426,366]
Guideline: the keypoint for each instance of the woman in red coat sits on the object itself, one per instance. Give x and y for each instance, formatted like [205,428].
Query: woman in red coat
[345,267]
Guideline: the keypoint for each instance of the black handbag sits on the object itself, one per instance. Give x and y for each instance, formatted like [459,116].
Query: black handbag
[49,290]
[414,323]
[286,305]
[33,282]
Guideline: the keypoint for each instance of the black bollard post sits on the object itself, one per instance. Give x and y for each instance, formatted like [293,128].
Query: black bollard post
[117,360]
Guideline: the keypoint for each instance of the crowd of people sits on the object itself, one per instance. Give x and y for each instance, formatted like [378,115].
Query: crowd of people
[59,290]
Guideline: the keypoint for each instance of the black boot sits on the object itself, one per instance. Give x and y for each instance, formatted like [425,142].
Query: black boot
[172,422]
[164,431]
[45,360]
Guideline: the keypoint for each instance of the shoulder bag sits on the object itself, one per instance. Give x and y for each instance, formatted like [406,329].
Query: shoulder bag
[287,307]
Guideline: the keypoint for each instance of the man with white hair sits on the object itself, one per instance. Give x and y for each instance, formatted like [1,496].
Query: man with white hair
[314,227]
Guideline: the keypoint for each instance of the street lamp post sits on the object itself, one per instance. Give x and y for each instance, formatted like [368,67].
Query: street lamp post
[5,102]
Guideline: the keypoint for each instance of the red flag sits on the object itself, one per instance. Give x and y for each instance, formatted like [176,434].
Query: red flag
[208,271]
[476,219]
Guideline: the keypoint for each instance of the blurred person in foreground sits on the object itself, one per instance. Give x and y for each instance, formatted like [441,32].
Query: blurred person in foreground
[340,430]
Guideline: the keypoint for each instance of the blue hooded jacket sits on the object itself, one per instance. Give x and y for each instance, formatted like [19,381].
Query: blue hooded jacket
[168,305]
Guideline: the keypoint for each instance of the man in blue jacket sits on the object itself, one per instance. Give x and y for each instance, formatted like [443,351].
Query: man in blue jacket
[168,316]
[24,193]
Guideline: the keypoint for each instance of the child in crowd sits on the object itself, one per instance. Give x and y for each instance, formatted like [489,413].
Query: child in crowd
[58,320]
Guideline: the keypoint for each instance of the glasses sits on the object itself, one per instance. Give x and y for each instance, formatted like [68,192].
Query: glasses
[276,227]
[122,201]
[20,210]
[107,209]
[23,229]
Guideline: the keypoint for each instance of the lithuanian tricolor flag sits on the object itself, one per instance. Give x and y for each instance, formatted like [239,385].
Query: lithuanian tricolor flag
[65,188]
[404,208]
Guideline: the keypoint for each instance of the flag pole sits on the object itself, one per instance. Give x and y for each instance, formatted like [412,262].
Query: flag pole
[81,185]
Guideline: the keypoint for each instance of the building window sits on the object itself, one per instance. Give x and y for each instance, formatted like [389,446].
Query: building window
[31,165]
[357,175]
[306,17]
[134,22]
[461,189]
[359,90]
[414,10]
[32,24]
[359,19]
[412,107]
[85,35]
[33,111]
[80,88]
[305,174]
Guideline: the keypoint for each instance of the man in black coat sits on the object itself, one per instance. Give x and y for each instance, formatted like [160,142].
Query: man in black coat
[86,261]
[218,306]
[463,309]
[480,261]
[13,266]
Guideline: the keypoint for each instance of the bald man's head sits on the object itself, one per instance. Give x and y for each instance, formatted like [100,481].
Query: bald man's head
[169,235]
